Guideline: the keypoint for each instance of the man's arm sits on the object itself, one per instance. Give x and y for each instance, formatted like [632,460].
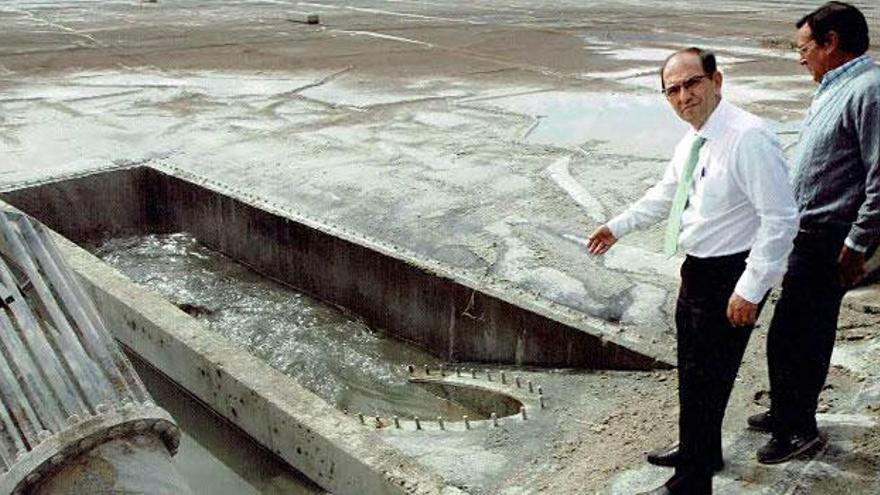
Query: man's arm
[652,208]
[864,231]
[760,171]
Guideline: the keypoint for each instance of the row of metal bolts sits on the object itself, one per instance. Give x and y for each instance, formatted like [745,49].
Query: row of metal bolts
[473,373]
[442,422]
[467,424]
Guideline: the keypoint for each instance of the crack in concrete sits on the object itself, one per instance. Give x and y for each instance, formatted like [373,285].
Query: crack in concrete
[383,36]
[61,27]
[385,12]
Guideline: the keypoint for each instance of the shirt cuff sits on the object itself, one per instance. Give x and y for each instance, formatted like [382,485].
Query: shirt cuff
[855,247]
[749,288]
[619,225]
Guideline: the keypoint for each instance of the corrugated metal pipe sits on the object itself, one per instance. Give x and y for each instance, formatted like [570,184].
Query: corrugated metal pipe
[74,417]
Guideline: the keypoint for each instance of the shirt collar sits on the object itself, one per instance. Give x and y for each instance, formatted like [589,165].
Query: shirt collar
[714,126]
[845,71]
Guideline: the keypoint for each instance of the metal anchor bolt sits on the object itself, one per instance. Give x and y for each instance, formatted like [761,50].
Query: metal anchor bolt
[473,373]
[467,423]
[396,422]
[441,423]
[540,390]
[411,369]
[443,370]
[522,410]
[503,378]
[541,401]
[418,423]
[489,375]
[427,370]
[518,382]
[361,418]
[531,389]
[457,371]
[494,420]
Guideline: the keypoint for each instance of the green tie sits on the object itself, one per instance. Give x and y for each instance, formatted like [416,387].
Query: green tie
[681,195]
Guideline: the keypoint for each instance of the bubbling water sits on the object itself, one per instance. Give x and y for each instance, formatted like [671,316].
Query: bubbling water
[327,351]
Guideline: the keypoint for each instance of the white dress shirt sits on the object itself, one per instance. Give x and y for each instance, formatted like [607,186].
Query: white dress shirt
[740,199]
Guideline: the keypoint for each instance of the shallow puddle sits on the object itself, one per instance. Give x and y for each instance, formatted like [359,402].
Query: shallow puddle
[640,125]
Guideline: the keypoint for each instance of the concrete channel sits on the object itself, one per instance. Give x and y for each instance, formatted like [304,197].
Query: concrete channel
[416,303]
[412,299]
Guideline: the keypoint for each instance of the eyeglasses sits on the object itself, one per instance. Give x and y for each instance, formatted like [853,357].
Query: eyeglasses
[803,49]
[688,84]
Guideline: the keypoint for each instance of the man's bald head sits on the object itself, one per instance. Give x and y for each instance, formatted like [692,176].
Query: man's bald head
[707,61]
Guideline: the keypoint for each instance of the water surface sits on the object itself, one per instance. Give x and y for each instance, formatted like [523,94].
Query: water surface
[331,353]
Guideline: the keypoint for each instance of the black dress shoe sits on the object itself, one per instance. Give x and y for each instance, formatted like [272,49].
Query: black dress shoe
[785,448]
[671,457]
[763,422]
[683,485]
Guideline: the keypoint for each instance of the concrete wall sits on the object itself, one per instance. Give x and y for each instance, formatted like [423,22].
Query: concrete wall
[94,207]
[440,312]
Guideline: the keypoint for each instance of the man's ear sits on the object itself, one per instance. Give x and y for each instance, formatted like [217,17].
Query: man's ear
[718,79]
[832,42]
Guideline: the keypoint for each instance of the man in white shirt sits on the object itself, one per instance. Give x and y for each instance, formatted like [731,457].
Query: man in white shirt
[731,210]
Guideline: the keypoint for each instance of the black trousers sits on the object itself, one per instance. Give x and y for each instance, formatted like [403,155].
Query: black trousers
[802,333]
[710,351]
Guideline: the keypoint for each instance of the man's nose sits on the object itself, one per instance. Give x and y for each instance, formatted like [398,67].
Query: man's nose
[685,94]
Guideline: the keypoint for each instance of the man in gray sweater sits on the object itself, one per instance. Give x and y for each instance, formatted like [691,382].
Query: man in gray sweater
[836,179]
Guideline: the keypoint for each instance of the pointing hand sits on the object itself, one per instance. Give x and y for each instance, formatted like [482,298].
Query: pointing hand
[601,240]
